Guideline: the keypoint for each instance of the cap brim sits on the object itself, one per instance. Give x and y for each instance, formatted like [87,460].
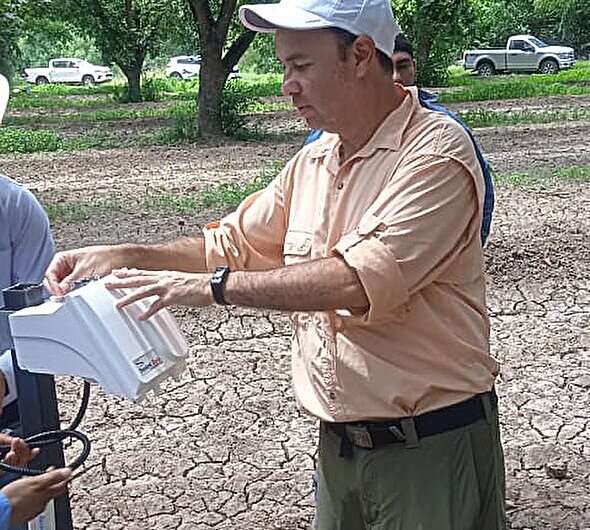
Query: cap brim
[267,18]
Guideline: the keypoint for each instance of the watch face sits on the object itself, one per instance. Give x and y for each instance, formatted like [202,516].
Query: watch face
[220,272]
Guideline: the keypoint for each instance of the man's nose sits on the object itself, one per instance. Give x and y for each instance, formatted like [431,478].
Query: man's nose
[290,87]
[397,77]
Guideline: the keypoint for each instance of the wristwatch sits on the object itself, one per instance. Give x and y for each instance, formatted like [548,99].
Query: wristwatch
[217,283]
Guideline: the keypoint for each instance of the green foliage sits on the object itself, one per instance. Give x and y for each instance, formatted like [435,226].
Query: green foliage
[150,91]
[28,141]
[235,102]
[10,25]
[496,20]
[125,32]
[69,90]
[184,128]
[261,57]
[43,39]
[573,18]
[439,30]
[260,86]
[20,141]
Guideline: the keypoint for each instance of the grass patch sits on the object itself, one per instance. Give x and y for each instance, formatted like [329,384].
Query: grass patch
[93,116]
[78,211]
[183,130]
[70,90]
[224,196]
[28,141]
[580,174]
[231,194]
[163,202]
[512,90]
[470,87]
[23,141]
[32,101]
[490,118]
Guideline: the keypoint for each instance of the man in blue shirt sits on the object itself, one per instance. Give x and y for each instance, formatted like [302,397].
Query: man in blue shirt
[26,248]
[404,73]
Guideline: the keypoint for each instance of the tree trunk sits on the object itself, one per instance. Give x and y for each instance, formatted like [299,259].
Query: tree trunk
[134,84]
[211,82]
[210,98]
[215,68]
[133,75]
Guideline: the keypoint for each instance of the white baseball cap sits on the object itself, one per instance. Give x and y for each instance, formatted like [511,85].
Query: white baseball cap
[4,93]
[373,18]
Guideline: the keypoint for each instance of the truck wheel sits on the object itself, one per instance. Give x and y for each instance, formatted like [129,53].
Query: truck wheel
[176,75]
[41,80]
[549,66]
[88,80]
[485,69]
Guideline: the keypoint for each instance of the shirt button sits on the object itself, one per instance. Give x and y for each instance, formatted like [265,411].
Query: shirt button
[332,396]
[340,186]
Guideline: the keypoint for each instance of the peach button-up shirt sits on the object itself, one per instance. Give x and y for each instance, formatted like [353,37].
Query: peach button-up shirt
[405,213]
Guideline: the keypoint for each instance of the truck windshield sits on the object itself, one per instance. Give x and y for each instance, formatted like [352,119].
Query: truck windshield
[538,43]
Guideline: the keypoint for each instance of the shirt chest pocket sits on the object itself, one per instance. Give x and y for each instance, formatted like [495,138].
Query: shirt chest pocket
[297,247]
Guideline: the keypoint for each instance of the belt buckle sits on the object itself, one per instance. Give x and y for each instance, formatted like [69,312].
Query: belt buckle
[359,436]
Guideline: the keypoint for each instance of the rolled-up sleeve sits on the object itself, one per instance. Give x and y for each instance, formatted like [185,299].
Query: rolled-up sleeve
[250,238]
[417,227]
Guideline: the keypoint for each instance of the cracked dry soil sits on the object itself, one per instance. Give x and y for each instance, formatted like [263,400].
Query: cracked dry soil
[225,448]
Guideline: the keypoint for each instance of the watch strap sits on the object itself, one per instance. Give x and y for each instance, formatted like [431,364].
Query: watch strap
[218,283]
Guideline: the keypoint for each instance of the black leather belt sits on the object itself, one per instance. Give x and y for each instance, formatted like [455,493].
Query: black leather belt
[372,435]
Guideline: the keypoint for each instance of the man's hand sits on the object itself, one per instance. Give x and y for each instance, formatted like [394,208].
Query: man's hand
[171,288]
[20,453]
[28,496]
[67,267]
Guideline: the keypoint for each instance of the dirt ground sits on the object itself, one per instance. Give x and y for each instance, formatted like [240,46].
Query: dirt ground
[226,448]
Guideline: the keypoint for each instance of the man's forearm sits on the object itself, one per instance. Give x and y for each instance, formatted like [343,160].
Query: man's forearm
[186,254]
[319,285]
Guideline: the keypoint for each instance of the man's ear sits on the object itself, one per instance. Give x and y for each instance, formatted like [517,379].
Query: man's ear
[363,52]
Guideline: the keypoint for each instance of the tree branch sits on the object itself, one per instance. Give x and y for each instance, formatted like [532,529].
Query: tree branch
[238,48]
[228,8]
[202,14]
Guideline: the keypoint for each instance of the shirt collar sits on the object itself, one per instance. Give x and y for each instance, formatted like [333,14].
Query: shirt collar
[387,136]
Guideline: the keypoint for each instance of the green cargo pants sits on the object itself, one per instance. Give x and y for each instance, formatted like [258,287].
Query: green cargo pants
[450,481]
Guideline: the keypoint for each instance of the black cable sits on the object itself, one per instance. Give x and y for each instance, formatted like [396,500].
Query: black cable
[83,406]
[43,439]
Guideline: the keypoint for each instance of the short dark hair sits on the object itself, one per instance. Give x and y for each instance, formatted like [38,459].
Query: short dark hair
[402,44]
[346,38]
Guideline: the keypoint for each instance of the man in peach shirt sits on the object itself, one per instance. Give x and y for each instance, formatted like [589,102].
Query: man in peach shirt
[370,238]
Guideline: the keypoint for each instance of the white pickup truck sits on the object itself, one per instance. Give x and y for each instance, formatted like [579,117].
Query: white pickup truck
[69,71]
[523,53]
